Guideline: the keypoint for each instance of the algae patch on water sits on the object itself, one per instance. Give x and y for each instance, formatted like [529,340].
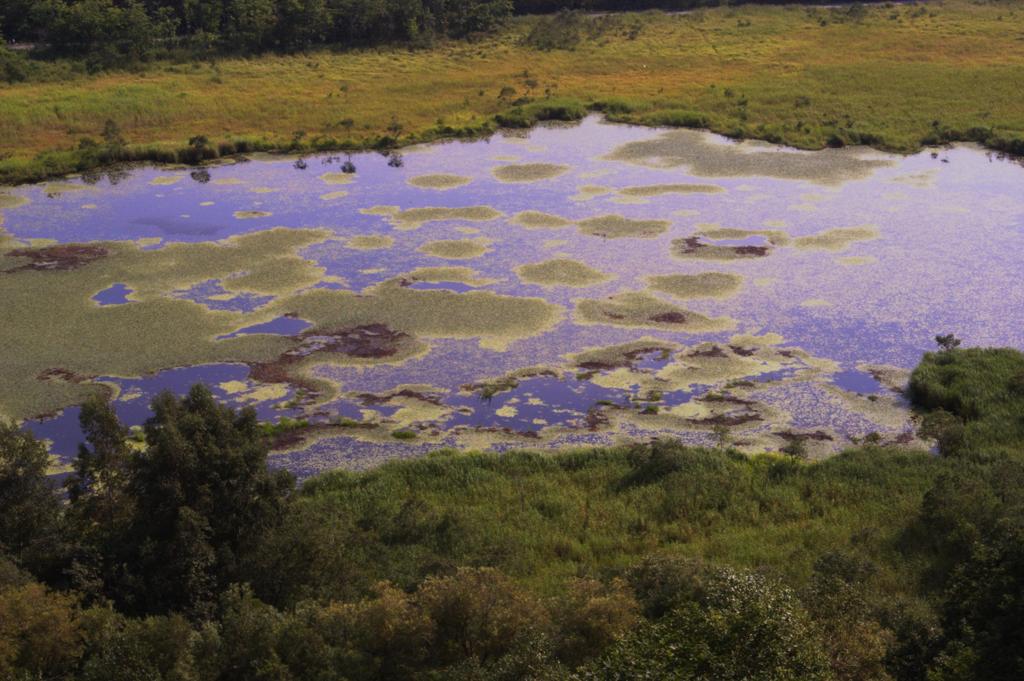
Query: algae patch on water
[414,218]
[11,201]
[704,156]
[251,214]
[643,310]
[649,190]
[437,275]
[619,227]
[84,340]
[496,320]
[535,219]
[622,354]
[528,172]
[703,285]
[439,181]
[338,178]
[369,242]
[837,239]
[561,272]
[166,180]
[456,249]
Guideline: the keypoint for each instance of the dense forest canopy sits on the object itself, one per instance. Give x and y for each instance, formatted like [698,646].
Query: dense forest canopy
[186,558]
[108,30]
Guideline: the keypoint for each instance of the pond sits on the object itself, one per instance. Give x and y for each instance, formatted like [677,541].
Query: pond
[569,285]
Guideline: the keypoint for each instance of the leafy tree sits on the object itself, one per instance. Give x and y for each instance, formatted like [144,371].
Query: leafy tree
[249,24]
[742,627]
[29,508]
[205,497]
[983,614]
[39,632]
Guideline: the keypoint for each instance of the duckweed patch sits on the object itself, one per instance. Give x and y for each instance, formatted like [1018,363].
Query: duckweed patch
[414,218]
[251,214]
[693,247]
[86,340]
[590,191]
[331,196]
[535,219]
[528,172]
[561,272]
[837,239]
[456,249]
[704,157]
[166,180]
[338,178]
[11,201]
[621,355]
[437,275]
[619,227]
[643,310]
[370,242]
[439,181]
[649,190]
[496,320]
[703,285]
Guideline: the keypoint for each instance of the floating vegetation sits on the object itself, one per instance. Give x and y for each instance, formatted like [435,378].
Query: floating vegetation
[659,189]
[11,201]
[439,181]
[590,191]
[621,355]
[703,285]
[716,232]
[55,190]
[693,247]
[456,249]
[251,214]
[166,180]
[528,172]
[331,196]
[704,156]
[338,178]
[227,182]
[496,320]
[489,387]
[437,275]
[414,218]
[641,309]
[618,227]
[561,272]
[837,239]
[369,242]
[167,332]
[535,219]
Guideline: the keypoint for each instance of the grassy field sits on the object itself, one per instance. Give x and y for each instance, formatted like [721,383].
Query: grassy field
[894,77]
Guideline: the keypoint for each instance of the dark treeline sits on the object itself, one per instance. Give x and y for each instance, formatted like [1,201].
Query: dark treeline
[109,33]
[185,558]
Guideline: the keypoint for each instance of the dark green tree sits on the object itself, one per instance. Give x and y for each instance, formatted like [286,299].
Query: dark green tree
[29,509]
[205,497]
[742,626]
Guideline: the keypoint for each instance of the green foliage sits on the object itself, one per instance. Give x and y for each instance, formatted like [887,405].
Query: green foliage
[28,507]
[643,562]
[980,388]
[531,113]
[741,626]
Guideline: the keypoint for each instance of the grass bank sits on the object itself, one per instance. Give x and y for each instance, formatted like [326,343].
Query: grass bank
[893,77]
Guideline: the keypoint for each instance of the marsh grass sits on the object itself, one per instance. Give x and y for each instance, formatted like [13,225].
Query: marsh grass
[893,78]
